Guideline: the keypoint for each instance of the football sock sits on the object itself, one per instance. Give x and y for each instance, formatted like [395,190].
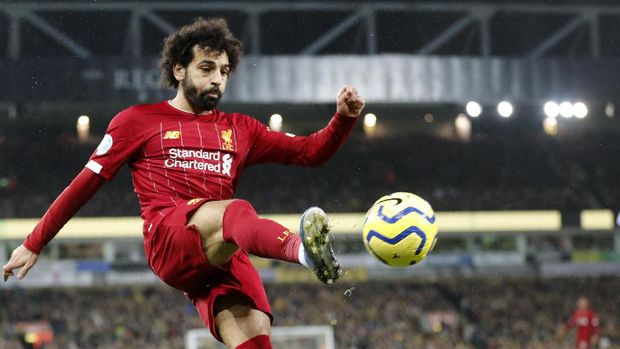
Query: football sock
[258,342]
[258,236]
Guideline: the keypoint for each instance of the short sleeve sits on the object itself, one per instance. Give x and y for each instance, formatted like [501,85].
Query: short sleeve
[118,145]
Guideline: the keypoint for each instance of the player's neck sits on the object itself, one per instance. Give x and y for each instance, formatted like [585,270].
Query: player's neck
[180,102]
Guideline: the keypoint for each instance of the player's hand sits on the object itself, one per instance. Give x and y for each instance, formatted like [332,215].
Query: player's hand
[349,103]
[20,258]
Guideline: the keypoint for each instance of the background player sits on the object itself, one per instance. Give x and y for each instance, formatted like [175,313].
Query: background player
[185,157]
[587,323]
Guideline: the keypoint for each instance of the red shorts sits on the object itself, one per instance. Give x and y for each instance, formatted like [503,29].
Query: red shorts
[174,253]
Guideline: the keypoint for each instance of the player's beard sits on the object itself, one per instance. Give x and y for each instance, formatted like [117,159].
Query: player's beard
[200,101]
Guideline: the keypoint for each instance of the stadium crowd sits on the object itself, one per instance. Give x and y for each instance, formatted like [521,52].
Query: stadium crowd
[465,313]
[493,171]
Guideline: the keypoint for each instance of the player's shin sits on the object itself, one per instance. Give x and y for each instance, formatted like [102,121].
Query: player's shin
[258,236]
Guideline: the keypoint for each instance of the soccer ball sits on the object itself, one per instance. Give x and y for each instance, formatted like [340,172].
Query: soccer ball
[400,229]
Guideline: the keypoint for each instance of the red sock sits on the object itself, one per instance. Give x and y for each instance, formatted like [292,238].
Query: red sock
[258,342]
[258,236]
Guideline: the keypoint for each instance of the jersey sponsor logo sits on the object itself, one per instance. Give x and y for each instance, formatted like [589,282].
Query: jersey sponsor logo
[177,153]
[227,140]
[105,145]
[172,135]
[582,321]
[202,160]
[226,166]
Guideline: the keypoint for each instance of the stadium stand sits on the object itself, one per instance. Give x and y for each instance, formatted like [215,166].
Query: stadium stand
[461,313]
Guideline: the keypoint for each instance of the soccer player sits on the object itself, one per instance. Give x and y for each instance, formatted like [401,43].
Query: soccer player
[185,158]
[587,323]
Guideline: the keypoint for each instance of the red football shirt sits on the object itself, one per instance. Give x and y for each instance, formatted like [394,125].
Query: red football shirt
[587,324]
[176,156]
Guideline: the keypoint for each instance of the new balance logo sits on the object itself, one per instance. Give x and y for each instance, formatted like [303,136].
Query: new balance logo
[172,135]
[194,201]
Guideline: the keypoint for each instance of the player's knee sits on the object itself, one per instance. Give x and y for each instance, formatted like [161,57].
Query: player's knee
[256,324]
[237,215]
[208,217]
[262,323]
[240,206]
[238,321]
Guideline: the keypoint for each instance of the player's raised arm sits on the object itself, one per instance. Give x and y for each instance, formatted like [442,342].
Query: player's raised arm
[81,189]
[316,148]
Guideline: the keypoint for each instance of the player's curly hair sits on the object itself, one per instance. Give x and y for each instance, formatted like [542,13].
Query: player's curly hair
[212,33]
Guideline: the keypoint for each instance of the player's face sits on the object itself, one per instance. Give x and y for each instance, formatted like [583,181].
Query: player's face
[205,79]
[583,303]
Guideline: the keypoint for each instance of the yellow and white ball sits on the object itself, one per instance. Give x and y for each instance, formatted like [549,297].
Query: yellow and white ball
[400,229]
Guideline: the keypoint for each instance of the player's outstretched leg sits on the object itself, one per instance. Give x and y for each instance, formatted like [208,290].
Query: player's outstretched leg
[314,231]
[227,225]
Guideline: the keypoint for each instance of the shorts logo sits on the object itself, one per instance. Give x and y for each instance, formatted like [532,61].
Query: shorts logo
[172,135]
[194,201]
[227,139]
[105,145]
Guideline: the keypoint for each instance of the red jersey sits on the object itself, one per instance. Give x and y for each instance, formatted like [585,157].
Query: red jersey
[176,156]
[587,324]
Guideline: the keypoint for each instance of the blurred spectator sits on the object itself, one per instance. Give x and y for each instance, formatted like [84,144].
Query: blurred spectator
[468,313]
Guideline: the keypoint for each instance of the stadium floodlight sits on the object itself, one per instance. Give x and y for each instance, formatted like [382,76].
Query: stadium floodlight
[83,128]
[505,109]
[370,120]
[473,109]
[610,110]
[551,121]
[566,109]
[462,125]
[552,109]
[580,109]
[550,125]
[275,122]
[83,120]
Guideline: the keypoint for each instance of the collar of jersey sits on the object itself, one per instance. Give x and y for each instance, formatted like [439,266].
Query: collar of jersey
[212,113]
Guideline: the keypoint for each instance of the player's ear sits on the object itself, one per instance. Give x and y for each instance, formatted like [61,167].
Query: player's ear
[179,72]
